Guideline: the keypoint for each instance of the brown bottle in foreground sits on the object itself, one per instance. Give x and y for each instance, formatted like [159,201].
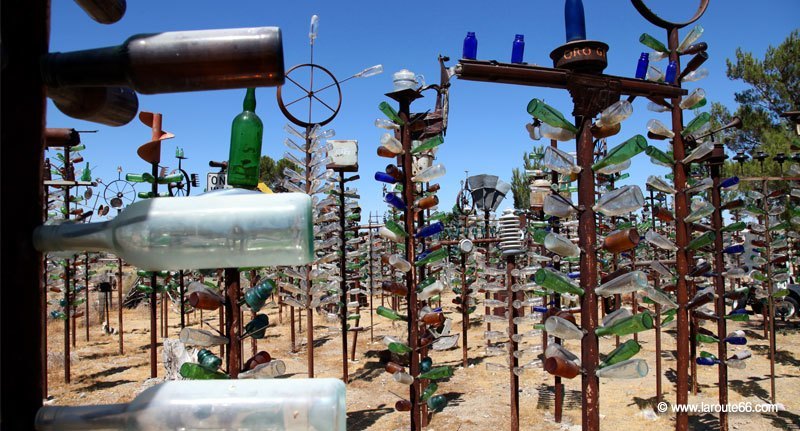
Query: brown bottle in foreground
[394,288]
[561,368]
[204,301]
[621,240]
[663,214]
[434,319]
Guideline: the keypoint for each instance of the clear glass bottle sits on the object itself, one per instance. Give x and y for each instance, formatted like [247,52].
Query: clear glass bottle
[559,161]
[562,328]
[243,228]
[630,369]
[626,283]
[620,201]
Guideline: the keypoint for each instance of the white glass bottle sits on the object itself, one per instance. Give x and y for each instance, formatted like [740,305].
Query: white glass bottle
[658,128]
[620,201]
[559,161]
[562,328]
[429,174]
[268,370]
[657,183]
[630,369]
[221,229]
[616,315]
[659,241]
[561,245]
[625,283]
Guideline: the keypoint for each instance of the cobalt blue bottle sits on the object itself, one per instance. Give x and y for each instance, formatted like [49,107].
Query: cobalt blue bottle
[518,48]
[729,182]
[430,230]
[470,51]
[384,178]
[641,66]
[672,70]
[395,201]
[574,20]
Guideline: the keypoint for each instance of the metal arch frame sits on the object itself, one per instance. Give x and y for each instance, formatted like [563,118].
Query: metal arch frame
[296,120]
[661,22]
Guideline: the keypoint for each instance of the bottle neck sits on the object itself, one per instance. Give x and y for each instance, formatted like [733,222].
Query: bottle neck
[111,416]
[250,100]
[74,237]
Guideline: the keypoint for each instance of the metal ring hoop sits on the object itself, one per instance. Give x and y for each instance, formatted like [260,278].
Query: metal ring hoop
[298,121]
[661,22]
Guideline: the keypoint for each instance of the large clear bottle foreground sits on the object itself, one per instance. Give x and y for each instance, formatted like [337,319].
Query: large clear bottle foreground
[221,229]
[306,404]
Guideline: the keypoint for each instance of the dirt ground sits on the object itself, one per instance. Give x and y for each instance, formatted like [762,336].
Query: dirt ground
[478,399]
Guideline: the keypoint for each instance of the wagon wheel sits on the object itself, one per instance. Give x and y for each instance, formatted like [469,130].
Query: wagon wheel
[328,94]
[119,194]
[182,187]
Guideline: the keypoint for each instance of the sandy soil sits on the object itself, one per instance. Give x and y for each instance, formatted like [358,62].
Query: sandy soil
[478,399]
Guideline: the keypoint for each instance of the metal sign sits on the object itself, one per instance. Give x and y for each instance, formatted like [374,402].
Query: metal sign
[216,181]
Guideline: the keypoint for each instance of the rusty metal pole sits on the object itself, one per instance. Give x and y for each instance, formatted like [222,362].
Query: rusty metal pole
[343,283]
[587,241]
[25,34]
[371,282]
[232,320]
[181,293]
[512,345]
[464,311]
[718,157]
[119,305]
[86,286]
[67,312]
[156,135]
[682,240]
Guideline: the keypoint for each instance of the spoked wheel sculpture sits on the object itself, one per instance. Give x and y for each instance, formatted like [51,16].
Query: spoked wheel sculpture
[119,193]
[328,94]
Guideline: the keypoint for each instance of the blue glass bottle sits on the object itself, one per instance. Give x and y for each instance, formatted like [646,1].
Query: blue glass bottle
[706,361]
[736,341]
[470,51]
[729,182]
[384,178]
[518,49]
[395,201]
[672,71]
[574,275]
[734,249]
[641,66]
[539,309]
[574,20]
[430,230]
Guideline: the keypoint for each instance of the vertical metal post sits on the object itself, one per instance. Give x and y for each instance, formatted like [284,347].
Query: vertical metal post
[232,320]
[770,289]
[67,312]
[86,286]
[464,310]
[587,240]
[719,285]
[156,135]
[558,404]
[119,305]
[343,283]
[25,34]
[512,345]
[656,284]
[181,293]
[682,239]
[371,281]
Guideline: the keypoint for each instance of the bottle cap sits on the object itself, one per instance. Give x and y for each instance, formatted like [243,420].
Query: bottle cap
[519,37]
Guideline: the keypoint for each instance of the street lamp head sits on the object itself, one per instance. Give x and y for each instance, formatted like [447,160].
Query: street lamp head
[761,156]
[741,157]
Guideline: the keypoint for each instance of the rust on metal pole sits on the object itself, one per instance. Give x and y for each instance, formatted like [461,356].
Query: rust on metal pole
[718,157]
[587,240]
[232,321]
[67,312]
[682,240]
[513,361]
[157,132]
[464,310]
[343,283]
[119,305]
[181,292]
[86,286]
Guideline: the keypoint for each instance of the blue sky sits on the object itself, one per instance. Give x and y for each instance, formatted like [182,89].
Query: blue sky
[486,133]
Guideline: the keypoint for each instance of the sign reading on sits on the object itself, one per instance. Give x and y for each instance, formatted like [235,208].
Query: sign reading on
[216,181]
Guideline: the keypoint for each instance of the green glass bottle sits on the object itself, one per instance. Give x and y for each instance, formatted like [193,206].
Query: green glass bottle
[696,123]
[556,281]
[708,339]
[245,151]
[668,316]
[539,235]
[429,391]
[627,325]
[437,373]
[389,313]
[399,348]
[734,227]
[428,144]
[390,113]
[780,226]
[652,43]
[549,115]
[425,364]
[193,371]
[622,152]
[659,157]
[208,359]
[623,352]
[257,327]
[432,257]
[755,210]
[739,317]
[701,241]
[175,178]
[395,228]
[87,173]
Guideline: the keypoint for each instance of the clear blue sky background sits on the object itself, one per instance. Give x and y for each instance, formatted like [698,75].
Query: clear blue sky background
[486,132]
